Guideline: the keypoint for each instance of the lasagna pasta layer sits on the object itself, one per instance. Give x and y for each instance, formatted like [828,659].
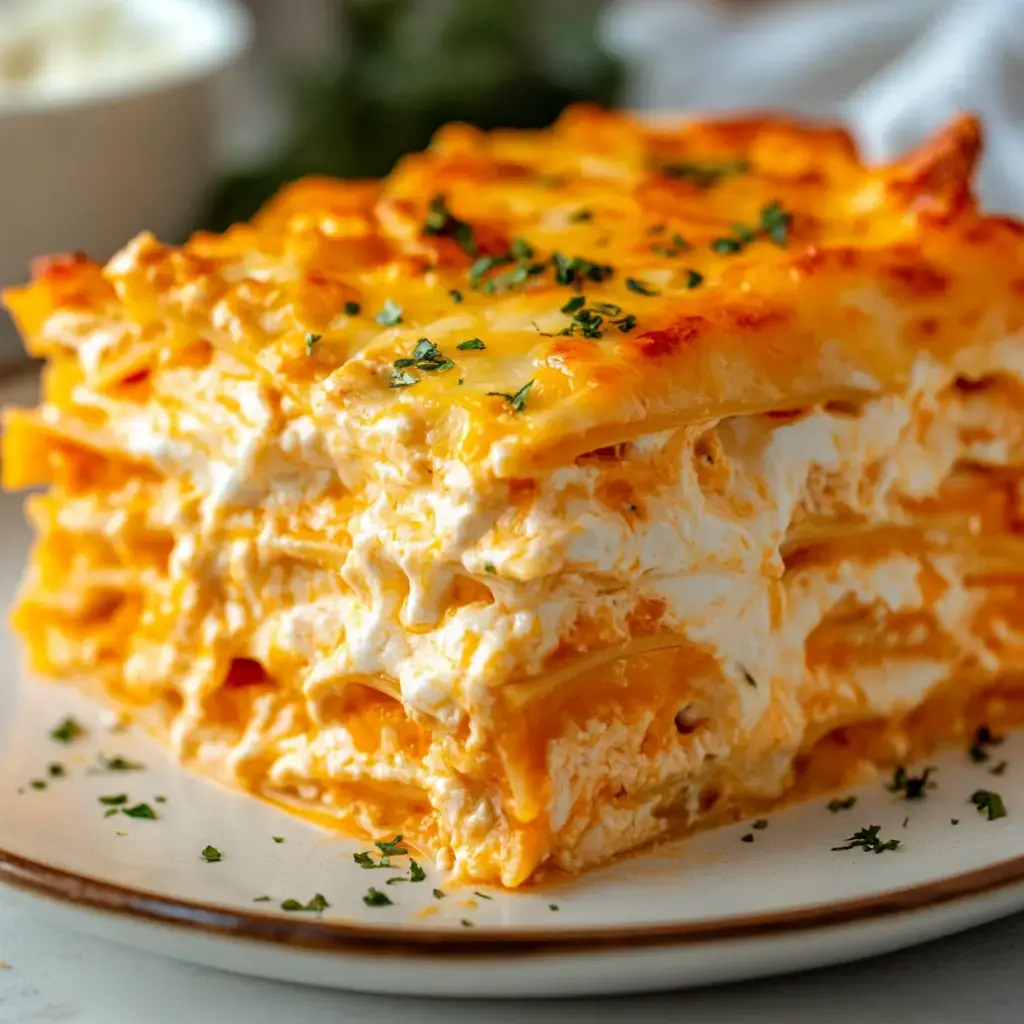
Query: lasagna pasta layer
[560,491]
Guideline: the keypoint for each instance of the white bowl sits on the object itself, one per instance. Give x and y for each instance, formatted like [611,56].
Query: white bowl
[86,170]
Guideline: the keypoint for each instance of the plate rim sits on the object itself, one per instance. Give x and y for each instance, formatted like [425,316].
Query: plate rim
[83,892]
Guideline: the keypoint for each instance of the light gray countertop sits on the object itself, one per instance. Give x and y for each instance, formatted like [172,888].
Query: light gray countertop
[54,976]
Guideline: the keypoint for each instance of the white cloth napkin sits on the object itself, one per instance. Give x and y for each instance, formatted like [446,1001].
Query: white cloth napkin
[894,70]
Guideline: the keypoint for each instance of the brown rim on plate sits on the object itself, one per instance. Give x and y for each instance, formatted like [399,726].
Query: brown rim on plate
[94,894]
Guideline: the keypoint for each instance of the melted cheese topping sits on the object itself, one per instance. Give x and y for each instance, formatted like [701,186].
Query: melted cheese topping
[536,626]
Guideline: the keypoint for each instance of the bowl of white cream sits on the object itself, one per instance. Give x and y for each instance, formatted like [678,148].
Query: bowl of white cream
[107,123]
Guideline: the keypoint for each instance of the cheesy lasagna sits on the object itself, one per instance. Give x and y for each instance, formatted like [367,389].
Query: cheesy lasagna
[563,490]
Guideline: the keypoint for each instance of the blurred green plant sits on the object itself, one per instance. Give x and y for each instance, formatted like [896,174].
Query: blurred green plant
[406,67]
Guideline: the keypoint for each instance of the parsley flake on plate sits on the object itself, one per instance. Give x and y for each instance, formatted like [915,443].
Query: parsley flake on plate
[438,895]
[211,854]
[117,800]
[471,345]
[376,898]
[867,839]
[352,308]
[835,804]
[317,905]
[416,873]
[119,764]
[311,342]
[913,787]
[983,740]
[989,803]
[67,731]
[140,811]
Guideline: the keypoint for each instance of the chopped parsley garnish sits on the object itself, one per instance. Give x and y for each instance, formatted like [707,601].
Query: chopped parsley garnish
[426,356]
[748,838]
[456,295]
[988,803]
[37,783]
[120,764]
[114,801]
[402,379]
[693,279]
[726,245]
[998,769]
[679,245]
[110,812]
[485,264]
[140,811]
[760,824]
[471,345]
[67,731]
[640,287]
[160,799]
[376,898]
[704,173]
[211,854]
[983,739]
[552,906]
[575,270]
[913,787]
[906,821]
[775,222]
[516,401]
[588,322]
[316,905]
[482,895]
[489,567]
[55,770]
[581,215]
[416,873]
[365,860]
[835,804]
[391,847]
[442,223]
[311,341]
[352,308]
[466,923]
[262,899]
[954,821]
[438,895]
[748,678]
[867,839]
[278,839]
[390,314]
[397,879]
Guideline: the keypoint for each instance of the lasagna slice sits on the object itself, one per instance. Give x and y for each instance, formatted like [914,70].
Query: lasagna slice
[562,491]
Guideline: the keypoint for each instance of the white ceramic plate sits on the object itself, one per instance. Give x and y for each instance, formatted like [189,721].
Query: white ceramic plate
[712,909]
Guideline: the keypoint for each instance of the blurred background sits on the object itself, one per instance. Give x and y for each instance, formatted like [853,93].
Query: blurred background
[120,115]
